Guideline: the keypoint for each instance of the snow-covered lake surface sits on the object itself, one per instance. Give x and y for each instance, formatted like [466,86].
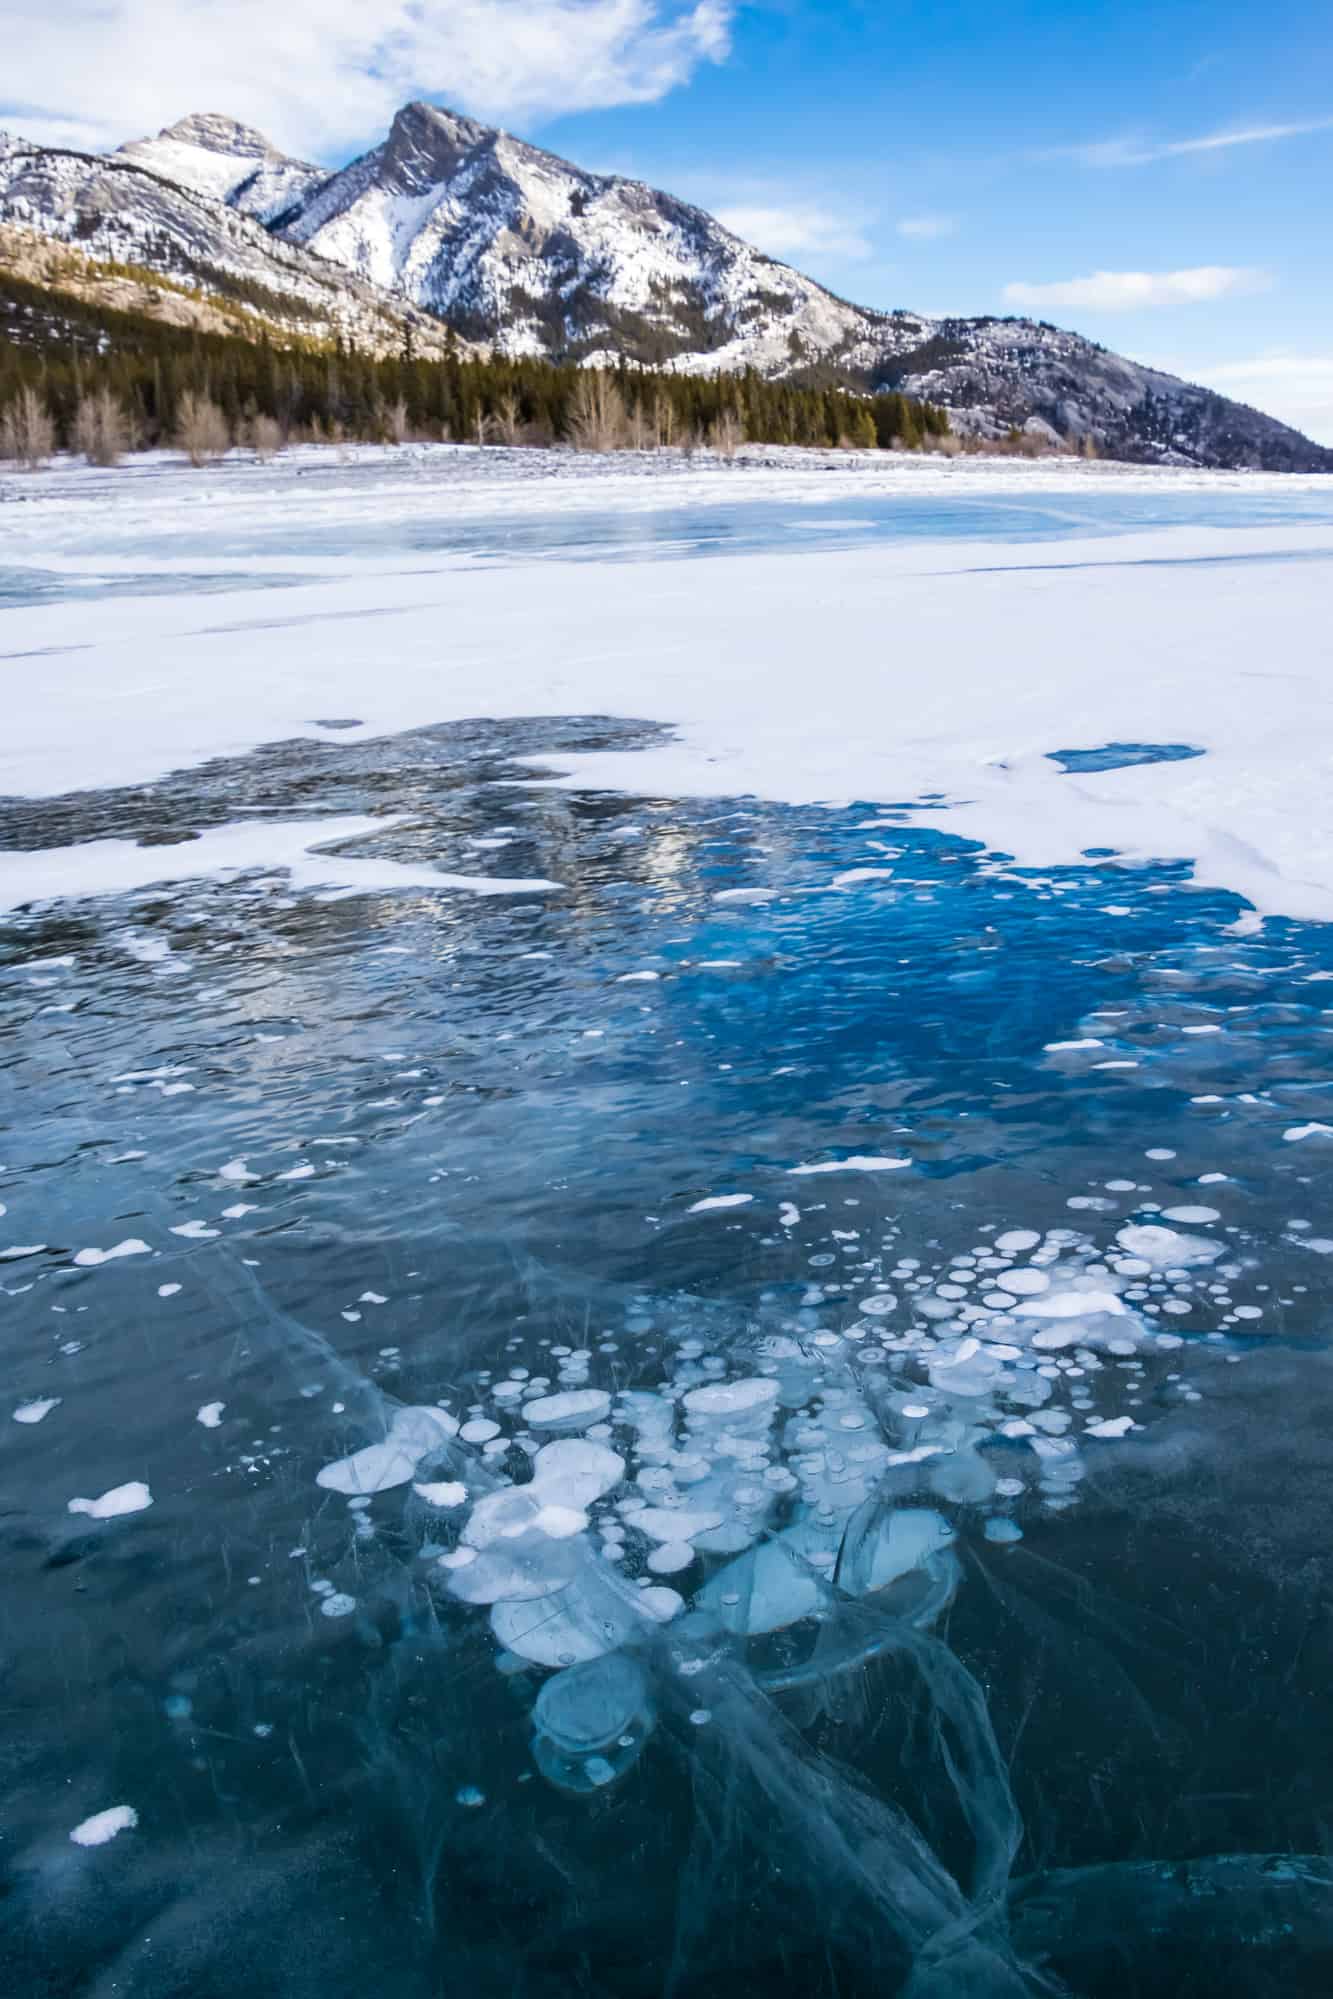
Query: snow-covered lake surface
[665,1248]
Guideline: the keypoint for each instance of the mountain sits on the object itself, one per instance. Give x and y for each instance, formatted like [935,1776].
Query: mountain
[524,252]
[126,222]
[232,163]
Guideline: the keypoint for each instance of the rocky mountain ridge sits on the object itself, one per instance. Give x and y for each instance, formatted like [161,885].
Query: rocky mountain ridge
[521,251]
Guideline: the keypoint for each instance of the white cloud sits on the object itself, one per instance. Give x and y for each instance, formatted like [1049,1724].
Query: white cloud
[1298,388]
[926,228]
[799,229]
[325,76]
[1143,152]
[1129,291]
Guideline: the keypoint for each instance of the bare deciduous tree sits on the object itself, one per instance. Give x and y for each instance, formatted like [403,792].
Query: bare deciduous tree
[597,414]
[263,434]
[725,435]
[201,429]
[641,430]
[502,426]
[101,428]
[27,433]
[396,425]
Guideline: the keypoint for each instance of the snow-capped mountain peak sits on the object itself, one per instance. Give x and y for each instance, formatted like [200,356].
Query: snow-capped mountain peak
[232,163]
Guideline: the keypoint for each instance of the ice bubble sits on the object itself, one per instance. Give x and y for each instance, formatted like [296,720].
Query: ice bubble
[573,1472]
[502,1515]
[210,1415]
[593,1616]
[1111,1426]
[765,1590]
[859,1162]
[731,1398]
[670,1558]
[1024,1283]
[1073,1305]
[520,1572]
[34,1412]
[1002,1531]
[964,1478]
[376,1468]
[883,1542]
[667,1524]
[1015,1241]
[132,1246]
[104,1826]
[1163,1249]
[448,1494]
[591,1707]
[423,1426]
[1197,1216]
[130,1498]
[337,1604]
[574,1410]
[720,1201]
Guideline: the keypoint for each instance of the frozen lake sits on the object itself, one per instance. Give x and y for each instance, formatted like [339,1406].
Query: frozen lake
[665,1250]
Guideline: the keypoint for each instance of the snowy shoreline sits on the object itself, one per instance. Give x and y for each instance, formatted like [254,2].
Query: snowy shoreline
[488,480]
[881,672]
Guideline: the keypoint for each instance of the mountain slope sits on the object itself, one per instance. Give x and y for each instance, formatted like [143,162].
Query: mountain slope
[118,212]
[450,220]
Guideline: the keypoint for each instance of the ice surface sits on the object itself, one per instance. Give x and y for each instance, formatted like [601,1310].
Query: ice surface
[1177,627]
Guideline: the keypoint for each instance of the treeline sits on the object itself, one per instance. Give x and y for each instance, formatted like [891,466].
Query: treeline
[63,358]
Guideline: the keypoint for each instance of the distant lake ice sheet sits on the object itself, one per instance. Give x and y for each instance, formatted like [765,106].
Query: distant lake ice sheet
[639,1391]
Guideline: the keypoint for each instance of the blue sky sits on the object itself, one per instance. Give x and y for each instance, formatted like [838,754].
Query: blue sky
[1158,176]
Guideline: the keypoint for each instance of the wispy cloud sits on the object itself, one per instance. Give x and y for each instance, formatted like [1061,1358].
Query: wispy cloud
[926,228]
[801,229]
[1130,291]
[1140,152]
[325,76]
